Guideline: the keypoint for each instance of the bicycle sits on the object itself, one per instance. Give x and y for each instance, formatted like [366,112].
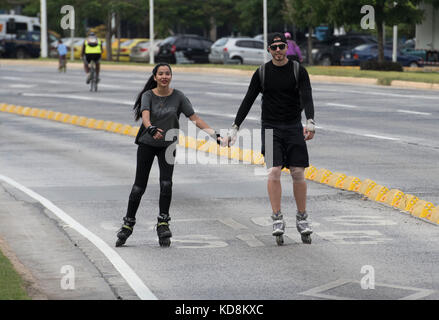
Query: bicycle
[93,77]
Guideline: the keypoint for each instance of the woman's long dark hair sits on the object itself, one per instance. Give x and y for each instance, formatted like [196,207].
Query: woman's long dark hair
[150,84]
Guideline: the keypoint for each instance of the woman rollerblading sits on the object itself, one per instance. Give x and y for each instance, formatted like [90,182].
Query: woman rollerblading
[159,107]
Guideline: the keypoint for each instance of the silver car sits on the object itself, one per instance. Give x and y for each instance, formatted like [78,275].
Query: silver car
[237,50]
[140,52]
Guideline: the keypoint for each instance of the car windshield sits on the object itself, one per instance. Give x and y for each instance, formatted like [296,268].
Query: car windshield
[362,47]
[168,40]
[126,43]
[220,42]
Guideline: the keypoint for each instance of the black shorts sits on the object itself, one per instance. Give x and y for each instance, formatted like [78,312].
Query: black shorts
[93,56]
[288,148]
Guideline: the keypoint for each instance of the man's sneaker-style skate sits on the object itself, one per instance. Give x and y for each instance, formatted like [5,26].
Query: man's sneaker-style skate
[163,231]
[125,231]
[278,227]
[304,227]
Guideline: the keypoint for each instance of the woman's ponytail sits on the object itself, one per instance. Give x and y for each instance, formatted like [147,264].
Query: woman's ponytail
[150,84]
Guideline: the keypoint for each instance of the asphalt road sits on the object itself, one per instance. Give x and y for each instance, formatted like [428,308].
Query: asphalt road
[222,247]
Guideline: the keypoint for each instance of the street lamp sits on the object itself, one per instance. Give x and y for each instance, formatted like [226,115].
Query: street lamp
[43,44]
[151,32]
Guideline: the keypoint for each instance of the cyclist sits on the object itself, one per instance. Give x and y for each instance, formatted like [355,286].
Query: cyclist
[91,50]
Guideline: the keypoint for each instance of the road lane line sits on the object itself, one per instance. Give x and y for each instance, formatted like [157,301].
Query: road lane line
[414,112]
[376,93]
[341,105]
[133,280]
[235,225]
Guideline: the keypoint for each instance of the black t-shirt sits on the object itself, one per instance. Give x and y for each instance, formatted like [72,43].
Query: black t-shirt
[281,102]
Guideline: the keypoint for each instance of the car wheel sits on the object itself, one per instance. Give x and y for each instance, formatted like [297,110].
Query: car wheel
[22,54]
[326,61]
[237,60]
[413,65]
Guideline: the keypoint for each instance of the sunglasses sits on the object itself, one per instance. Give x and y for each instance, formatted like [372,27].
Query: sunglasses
[275,46]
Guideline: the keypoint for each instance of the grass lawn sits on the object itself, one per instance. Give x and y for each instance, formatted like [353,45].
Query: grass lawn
[11,284]
[384,77]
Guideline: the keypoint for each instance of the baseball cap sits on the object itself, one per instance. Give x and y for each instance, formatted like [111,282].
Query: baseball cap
[276,35]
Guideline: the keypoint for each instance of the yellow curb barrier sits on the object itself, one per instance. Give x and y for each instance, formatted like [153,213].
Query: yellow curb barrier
[258,159]
[247,155]
[11,108]
[19,110]
[74,120]
[34,112]
[366,186]
[99,124]
[351,183]
[393,197]
[90,123]
[309,171]
[126,129]
[65,118]
[57,116]
[82,121]
[434,217]
[377,192]
[408,203]
[50,115]
[42,114]
[322,175]
[422,209]
[27,111]
[336,179]
[107,125]
[3,107]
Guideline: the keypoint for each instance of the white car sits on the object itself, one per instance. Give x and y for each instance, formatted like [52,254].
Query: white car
[237,50]
[140,52]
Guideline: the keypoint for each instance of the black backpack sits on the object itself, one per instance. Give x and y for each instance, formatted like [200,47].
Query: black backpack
[261,71]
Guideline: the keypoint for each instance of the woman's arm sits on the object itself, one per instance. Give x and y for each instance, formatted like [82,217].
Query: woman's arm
[204,126]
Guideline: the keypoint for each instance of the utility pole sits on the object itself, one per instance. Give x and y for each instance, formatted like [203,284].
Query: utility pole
[151,32]
[43,43]
[265,30]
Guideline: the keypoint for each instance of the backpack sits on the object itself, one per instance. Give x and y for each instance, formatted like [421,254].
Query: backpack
[261,71]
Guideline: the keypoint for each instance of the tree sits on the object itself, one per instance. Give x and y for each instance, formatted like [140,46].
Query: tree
[307,14]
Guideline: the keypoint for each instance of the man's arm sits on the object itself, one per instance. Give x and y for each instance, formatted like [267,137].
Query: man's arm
[253,90]
[307,103]
[83,50]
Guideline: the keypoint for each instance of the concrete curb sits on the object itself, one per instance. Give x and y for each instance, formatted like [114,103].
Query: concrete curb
[394,198]
[224,71]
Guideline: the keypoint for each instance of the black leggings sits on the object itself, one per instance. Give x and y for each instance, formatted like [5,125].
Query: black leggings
[145,158]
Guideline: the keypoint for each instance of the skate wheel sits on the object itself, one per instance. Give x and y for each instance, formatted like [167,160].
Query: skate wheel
[306,238]
[164,242]
[280,240]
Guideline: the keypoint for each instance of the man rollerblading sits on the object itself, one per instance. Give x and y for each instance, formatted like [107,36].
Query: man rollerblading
[303,226]
[278,227]
[125,231]
[163,231]
[286,92]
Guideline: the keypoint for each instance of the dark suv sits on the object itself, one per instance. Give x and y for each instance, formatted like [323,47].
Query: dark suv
[184,48]
[330,51]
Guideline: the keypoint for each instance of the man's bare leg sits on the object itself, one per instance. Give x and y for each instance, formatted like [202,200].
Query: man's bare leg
[274,188]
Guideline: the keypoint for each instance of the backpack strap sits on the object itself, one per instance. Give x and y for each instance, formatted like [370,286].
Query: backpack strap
[261,71]
[296,72]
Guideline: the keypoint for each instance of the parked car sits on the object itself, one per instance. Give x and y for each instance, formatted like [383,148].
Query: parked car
[2,49]
[240,50]
[140,53]
[25,45]
[329,52]
[184,48]
[125,49]
[366,52]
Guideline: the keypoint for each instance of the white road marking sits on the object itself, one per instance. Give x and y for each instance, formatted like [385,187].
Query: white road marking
[199,242]
[230,83]
[341,105]
[318,292]
[380,137]
[354,237]
[235,225]
[251,240]
[361,220]
[22,86]
[376,93]
[225,95]
[414,112]
[133,280]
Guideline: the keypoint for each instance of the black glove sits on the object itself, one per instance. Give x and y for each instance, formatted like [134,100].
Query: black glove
[152,130]
[218,136]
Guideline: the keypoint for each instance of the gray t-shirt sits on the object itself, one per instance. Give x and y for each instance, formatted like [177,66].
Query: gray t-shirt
[164,114]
